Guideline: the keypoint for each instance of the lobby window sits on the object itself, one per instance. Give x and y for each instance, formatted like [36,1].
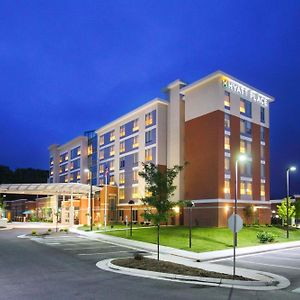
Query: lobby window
[112,136]
[246,108]
[135,193]
[101,154]
[135,142]
[227,142]
[246,127]
[227,121]
[112,165]
[226,100]
[121,194]
[135,126]
[122,131]
[135,176]
[227,164]
[227,186]
[262,114]
[101,140]
[101,168]
[112,179]
[246,188]
[148,137]
[122,147]
[148,154]
[122,178]
[262,134]
[262,190]
[245,147]
[262,171]
[122,163]
[135,159]
[112,150]
[148,119]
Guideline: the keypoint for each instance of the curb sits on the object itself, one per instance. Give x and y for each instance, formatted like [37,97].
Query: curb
[272,284]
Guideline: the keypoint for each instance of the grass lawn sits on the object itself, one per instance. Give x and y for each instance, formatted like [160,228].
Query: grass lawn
[109,227]
[205,239]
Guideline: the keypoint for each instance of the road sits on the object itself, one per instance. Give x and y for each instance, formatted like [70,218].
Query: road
[64,268]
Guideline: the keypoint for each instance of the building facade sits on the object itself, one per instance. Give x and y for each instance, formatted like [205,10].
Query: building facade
[206,124]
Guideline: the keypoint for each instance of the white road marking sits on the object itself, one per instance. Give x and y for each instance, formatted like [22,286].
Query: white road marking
[97,253]
[296,290]
[54,243]
[90,248]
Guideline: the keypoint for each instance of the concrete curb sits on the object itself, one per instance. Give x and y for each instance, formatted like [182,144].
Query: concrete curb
[271,282]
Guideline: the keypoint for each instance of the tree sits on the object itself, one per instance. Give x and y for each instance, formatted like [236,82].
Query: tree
[282,212]
[160,188]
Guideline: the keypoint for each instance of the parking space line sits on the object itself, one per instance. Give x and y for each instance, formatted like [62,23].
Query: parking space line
[296,290]
[91,248]
[97,253]
[270,265]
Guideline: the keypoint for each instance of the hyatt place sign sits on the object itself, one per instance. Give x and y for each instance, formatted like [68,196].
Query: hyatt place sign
[243,91]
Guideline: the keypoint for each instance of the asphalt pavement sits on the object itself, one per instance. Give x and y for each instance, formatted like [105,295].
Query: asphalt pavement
[65,268]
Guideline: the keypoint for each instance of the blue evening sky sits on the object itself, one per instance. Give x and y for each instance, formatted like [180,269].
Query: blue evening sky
[70,66]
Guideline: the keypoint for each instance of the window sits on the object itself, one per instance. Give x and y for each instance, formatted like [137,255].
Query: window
[112,179]
[135,159]
[112,165]
[121,194]
[112,150]
[148,119]
[246,108]
[121,178]
[135,142]
[134,215]
[75,152]
[63,157]
[135,125]
[147,193]
[227,187]
[246,169]
[227,121]
[245,147]
[227,142]
[262,114]
[101,141]
[226,100]
[135,176]
[51,161]
[122,131]
[246,127]
[148,154]
[262,133]
[101,168]
[227,164]
[75,164]
[262,190]
[122,147]
[148,136]
[135,194]
[90,150]
[101,154]
[246,188]
[122,163]
[71,177]
[101,181]
[51,171]
[121,212]
[262,171]
[262,152]
[112,136]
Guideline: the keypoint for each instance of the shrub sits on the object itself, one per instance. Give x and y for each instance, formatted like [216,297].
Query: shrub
[33,232]
[66,230]
[138,256]
[265,237]
[49,229]
[61,230]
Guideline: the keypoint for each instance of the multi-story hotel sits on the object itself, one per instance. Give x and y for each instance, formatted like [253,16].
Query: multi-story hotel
[207,124]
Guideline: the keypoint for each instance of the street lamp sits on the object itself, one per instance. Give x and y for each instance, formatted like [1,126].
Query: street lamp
[190,205]
[130,202]
[91,201]
[293,169]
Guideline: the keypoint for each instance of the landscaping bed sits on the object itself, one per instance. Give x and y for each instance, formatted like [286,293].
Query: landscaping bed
[171,268]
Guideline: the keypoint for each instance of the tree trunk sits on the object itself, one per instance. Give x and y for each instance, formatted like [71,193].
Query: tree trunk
[158,241]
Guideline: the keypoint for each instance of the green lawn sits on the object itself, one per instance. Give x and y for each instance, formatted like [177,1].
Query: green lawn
[109,227]
[205,239]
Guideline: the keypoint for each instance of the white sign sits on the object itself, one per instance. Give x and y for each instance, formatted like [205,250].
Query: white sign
[239,223]
[246,92]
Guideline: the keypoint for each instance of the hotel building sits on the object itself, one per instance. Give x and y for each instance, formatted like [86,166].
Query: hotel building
[207,124]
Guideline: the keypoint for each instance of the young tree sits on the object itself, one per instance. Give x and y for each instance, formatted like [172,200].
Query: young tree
[159,184]
[281,210]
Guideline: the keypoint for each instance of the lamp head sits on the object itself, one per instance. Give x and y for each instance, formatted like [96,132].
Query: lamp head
[86,170]
[292,168]
[243,157]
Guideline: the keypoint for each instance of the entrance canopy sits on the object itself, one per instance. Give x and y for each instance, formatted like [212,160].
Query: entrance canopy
[48,189]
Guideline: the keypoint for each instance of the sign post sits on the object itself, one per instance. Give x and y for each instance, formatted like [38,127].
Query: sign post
[235,223]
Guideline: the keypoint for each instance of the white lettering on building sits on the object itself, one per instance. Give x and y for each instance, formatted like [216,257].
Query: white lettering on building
[243,91]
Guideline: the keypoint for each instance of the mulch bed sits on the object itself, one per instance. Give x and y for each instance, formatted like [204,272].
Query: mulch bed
[169,267]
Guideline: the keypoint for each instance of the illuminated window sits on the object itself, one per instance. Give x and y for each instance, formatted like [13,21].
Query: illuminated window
[227,142]
[148,154]
[101,181]
[227,164]
[245,127]
[122,147]
[226,187]
[66,179]
[112,179]
[101,141]
[135,125]
[121,194]
[78,175]
[245,147]
[135,159]
[78,151]
[135,193]
[112,136]
[51,161]
[122,131]
[262,190]
[148,119]
[71,177]
[246,188]
[101,168]
[227,121]
[90,150]
[135,142]
[135,175]
[101,154]
[112,150]
[227,100]
[121,178]
[246,108]
[111,165]
[60,170]
[51,171]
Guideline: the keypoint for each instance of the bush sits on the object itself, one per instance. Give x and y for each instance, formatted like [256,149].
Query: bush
[66,230]
[49,230]
[138,256]
[265,237]
[61,230]
[33,232]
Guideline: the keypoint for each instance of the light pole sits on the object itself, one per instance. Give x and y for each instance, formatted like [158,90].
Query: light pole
[190,205]
[241,158]
[292,168]
[91,200]
[130,202]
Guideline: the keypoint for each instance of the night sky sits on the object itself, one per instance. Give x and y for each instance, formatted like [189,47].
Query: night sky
[71,66]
